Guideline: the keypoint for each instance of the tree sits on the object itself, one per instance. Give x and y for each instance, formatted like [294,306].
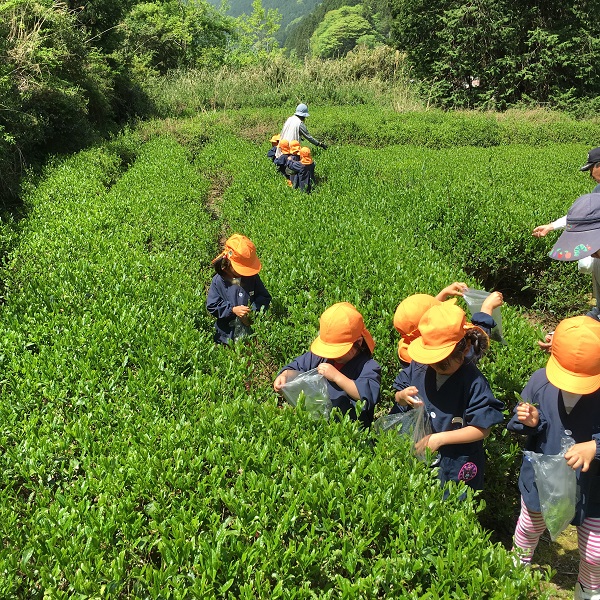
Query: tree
[340,31]
[499,52]
[161,36]
[255,35]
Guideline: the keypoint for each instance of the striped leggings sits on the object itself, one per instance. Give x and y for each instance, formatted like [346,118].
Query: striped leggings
[530,527]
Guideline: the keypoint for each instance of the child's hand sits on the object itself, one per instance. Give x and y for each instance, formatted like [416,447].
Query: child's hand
[542,230]
[328,371]
[581,455]
[494,300]
[408,396]
[280,381]
[241,311]
[547,345]
[430,441]
[528,414]
[454,289]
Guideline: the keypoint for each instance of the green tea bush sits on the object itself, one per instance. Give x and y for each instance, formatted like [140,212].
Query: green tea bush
[139,460]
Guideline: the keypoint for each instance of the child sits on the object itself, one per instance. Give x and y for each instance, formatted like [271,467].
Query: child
[342,353]
[461,406]
[281,161]
[564,399]
[236,288]
[304,171]
[292,158]
[409,313]
[273,148]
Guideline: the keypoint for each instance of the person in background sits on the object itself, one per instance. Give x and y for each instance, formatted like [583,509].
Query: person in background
[295,129]
[563,399]
[281,160]
[458,400]
[273,148]
[593,166]
[343,354]
[292,158]
[410,311]
[303,171]
[236,289]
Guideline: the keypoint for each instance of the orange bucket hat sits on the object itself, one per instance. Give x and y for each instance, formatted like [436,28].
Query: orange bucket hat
[294,147]
[284,146]
[340,326]
[305,157]
[407,317]
[441,327]
[275,139]
[574,363]
[241,252]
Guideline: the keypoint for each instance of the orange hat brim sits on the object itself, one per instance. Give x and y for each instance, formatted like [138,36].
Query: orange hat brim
[246,270]
[321,348]
[574,383]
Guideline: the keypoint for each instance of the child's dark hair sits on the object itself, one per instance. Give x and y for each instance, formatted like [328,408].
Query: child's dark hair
[221,264]
[479,341]
[362,346]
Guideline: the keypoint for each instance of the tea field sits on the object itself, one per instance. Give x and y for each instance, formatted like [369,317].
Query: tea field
[141,461]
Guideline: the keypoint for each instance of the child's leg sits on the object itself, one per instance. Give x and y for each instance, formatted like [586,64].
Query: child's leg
[588,536]
[528,531]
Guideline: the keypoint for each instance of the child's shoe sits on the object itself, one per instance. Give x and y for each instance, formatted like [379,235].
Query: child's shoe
[289,182]
[582,594]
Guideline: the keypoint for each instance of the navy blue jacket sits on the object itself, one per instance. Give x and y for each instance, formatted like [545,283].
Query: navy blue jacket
[304,175]
[465,398]
[362,369]
[271,153]
[582,424]
[223,295]
[281,163]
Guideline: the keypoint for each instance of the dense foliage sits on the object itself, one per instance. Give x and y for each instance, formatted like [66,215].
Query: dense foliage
[495,54]
[139,460]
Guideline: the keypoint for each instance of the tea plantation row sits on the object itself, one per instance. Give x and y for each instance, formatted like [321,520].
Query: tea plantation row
[139,460]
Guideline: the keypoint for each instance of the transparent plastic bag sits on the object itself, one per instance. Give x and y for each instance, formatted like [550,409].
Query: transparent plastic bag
[414,422]
[474,299]
[311,386]
[557,487]
[240,330]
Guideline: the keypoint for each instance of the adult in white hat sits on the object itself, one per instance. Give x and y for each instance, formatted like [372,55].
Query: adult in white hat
[294,129]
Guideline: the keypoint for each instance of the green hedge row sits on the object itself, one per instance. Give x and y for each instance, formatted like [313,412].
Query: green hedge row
[139,460]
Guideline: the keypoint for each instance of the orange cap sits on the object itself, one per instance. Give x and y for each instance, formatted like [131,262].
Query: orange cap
[574,363]
[294,147]
[275,138]
[441,327]
[241,252]
[340,326]
[410,310]
[284,146]
[305,157]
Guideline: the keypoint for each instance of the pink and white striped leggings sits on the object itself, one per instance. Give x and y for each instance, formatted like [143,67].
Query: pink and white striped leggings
[530,527]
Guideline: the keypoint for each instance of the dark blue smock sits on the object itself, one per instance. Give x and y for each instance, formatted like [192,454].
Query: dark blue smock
[465,398]
[362,369]
[582,424]
[223,295]
[271,153]
[304,175]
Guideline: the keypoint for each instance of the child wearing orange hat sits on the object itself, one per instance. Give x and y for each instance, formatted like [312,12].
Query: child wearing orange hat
[563,399]
[236,288]
[273,148]
[461,406]
[303,171]
[411,309]
[281,161]
[343,354]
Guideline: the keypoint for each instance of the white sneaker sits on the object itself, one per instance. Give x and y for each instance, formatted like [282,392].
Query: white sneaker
[581,594]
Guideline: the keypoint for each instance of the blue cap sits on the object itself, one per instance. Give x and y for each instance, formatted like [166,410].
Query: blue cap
[301,110]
